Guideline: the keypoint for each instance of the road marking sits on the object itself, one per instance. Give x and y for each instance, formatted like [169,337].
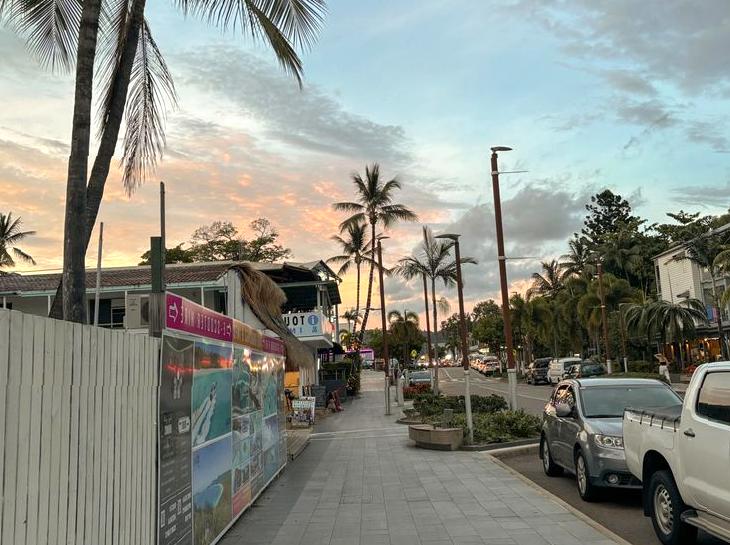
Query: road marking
[366,430]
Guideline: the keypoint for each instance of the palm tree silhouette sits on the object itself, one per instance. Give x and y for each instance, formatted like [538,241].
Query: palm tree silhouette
[10,235]
[374,206]
[354,246]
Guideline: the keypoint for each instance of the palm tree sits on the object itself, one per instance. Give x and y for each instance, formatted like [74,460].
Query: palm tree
[403,329]
[135,84]
[432,258]
[354,252]
[10,236]
[580,260]
[374,206]
[674,322]
[704,250]
[550,282]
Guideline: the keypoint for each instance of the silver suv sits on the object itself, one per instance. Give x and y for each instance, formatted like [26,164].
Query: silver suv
[582,429]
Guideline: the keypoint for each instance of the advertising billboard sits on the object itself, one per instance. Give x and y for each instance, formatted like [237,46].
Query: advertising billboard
[222,421]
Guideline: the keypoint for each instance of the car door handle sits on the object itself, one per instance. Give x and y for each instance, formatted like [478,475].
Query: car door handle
[689,433]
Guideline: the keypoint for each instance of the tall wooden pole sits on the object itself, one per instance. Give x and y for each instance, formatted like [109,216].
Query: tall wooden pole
[603,316]
[384,325]
[98,274]
[428,337]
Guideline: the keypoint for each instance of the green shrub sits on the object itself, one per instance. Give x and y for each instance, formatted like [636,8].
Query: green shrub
[497,427]
[641,366]
[430,405]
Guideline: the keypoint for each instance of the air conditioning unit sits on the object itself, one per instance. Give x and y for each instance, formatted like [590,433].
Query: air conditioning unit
[137,315]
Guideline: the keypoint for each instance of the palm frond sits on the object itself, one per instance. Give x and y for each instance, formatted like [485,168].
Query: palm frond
[347,207]
[50,28]
[22,256]
[151,89]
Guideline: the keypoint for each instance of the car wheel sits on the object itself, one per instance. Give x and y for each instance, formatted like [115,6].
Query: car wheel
[549,466]
[587,491]
[665,508]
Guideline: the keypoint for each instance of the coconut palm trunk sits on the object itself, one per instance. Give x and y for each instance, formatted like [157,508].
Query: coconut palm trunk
[371,277]
[94,191]
[357,295]
[720,335]
[74,250]
[433,302]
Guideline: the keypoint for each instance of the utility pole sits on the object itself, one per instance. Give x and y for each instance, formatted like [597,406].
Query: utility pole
[464,342]
[603,316]
[98,275]
[428,338]
[384,326]
[506,317]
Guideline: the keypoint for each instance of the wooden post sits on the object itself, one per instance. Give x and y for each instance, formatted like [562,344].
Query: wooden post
[157,296]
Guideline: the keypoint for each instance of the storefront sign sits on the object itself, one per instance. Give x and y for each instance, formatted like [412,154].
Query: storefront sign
[273,346]
[303,411]
[184,315]
[247,336]
[308,324]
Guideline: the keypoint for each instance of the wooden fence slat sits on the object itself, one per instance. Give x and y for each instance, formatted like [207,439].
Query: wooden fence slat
[118,475]
[46,431]
[73,535]
[67,416]
[4,359]
[57,422]
[125,446]
[24,423]
[36,425]
[97,364]
[109,396]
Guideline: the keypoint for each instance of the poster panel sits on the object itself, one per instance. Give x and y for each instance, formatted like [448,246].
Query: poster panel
[176,378]
[222,414]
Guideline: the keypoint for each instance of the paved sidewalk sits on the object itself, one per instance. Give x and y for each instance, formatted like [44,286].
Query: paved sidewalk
[361,482]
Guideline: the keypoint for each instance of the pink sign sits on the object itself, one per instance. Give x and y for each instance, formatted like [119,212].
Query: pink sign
[190,317]
[273,346]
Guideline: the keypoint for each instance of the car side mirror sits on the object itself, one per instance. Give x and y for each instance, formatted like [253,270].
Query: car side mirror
[563,410]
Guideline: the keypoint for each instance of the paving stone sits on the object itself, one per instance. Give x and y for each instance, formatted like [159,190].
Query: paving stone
[365,484]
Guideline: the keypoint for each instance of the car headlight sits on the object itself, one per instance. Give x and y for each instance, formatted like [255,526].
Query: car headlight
[609,441]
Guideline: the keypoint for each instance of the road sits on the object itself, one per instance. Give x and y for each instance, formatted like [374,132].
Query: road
[619,511]
[530,398]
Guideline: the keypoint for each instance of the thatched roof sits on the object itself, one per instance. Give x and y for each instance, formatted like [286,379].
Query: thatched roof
[266,299]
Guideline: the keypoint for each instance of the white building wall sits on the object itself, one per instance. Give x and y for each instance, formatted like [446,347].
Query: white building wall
[678,277]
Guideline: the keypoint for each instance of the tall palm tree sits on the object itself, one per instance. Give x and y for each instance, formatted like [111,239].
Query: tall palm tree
[580,260]
[674,322]
[135,84]
[403,329]
[374,206]
[432,258]
[10,235]
[550,282]
[704,250]
[355,249]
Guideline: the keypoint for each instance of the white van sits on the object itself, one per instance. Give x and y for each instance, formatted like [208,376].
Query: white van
[558,368]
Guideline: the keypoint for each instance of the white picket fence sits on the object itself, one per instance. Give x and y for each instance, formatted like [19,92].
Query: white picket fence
[78,410]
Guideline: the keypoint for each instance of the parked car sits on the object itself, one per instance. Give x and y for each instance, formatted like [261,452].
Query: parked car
[586,369]
[559,367]
[581,429]
[538,371]
[681,453]
[491,364]
[419,377]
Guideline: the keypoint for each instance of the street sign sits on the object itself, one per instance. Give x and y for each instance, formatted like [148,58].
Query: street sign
[184,315]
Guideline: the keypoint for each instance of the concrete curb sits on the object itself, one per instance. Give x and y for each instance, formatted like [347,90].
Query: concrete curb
[500,447]
[540,490]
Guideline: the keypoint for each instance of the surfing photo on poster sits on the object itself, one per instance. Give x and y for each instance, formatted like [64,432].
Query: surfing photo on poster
[211,394]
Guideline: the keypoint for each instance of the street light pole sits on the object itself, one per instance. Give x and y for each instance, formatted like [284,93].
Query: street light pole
[384,326]
[603,316]
[428,337]
[506,318]
[464,342]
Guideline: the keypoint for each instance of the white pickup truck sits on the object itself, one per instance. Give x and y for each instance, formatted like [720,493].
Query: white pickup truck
[682,456]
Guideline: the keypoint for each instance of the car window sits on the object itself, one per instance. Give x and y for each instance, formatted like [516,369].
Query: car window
[714,399]
[566,395]
[610,401]
[556,394]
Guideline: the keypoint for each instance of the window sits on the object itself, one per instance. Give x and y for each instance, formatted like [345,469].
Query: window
[714,399]
[565,395]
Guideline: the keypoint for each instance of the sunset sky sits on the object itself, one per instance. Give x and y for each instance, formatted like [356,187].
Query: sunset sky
[591,94]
